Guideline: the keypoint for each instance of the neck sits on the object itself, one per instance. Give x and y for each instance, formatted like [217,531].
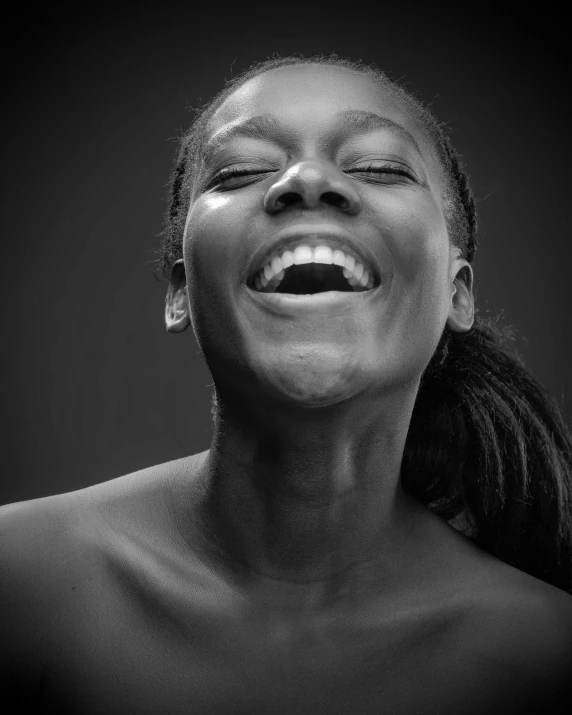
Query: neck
[310,498]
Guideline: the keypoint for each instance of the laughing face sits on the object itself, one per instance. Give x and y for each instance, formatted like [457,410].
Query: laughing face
[316,253]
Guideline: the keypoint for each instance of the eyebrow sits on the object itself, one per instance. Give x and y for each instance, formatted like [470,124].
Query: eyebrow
[349,121]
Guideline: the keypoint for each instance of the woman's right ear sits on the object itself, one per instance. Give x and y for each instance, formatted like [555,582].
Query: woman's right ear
[177,316]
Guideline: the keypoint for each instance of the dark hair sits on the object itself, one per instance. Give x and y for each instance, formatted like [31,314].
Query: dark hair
[487,449]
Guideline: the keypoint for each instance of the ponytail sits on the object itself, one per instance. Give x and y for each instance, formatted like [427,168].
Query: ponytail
[488,447]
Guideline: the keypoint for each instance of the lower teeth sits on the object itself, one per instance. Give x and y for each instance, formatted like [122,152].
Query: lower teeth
[351,282]
[269,288]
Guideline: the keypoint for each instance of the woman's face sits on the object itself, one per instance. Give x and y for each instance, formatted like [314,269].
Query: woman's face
[323,171]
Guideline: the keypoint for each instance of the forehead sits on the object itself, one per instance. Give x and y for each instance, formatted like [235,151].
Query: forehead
[313,94]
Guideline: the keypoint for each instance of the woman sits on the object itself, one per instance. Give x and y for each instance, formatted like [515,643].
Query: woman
[319,240]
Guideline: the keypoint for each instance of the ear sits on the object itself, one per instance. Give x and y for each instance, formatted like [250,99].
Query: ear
[462,308]
[176,303]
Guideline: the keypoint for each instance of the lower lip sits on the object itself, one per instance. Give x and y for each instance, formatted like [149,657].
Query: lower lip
[291,304]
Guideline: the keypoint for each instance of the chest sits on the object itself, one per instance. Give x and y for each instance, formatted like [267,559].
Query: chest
[125,653]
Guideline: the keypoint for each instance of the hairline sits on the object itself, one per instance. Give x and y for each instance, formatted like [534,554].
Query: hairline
[456,197]
[408,104]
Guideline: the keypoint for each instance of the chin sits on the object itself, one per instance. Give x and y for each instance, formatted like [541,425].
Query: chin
[312,388]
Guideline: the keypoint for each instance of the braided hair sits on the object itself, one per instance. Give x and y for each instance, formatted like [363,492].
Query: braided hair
[488,449]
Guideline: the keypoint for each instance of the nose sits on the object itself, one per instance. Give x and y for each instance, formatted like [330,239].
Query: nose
[311,184]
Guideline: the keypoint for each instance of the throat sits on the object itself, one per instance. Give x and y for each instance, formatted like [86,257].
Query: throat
[311,278]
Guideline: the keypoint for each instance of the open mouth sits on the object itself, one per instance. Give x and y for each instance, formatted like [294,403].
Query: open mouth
[311,278]
[309,270]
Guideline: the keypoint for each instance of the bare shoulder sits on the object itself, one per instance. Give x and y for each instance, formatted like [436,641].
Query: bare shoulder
[510,633]
[519,632]
[52,547]
[39,535]
[522,605]
[35,551]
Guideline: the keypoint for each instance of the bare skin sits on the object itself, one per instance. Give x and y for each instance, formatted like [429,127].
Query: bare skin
[285,570]
[111,604]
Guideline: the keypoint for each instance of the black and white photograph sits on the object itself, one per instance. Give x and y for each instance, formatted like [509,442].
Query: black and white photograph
[287,386]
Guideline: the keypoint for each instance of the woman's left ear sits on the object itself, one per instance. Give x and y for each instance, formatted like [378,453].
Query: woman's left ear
[462,307]
[176,303]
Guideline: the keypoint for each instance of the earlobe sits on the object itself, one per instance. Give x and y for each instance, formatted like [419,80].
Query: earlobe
[176,303]
[462,308]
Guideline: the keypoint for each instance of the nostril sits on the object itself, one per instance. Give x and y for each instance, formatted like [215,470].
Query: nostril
[289,198]
[335,199]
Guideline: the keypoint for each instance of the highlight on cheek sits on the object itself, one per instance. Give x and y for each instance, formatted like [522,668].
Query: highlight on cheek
[211,202]
[216,201]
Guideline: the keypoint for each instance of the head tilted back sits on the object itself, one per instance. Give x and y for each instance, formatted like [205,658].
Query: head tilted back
[458,202]
[485,439]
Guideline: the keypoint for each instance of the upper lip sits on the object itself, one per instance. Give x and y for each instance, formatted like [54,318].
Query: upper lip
[311,235]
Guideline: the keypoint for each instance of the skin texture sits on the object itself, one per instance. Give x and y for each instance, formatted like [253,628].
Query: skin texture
[316,406]
[285,570]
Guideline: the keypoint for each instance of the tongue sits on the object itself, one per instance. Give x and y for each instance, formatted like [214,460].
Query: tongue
[310,278]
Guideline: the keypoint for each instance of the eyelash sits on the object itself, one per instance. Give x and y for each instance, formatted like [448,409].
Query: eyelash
[382,170]
[232,173]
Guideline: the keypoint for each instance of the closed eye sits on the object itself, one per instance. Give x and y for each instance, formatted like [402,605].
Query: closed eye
[233,173]
[381,170]
[226,174]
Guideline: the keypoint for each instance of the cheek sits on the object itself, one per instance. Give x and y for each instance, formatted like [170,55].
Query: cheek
[203,251]
[419,245]
[216,234]
[418,301]
[207,232]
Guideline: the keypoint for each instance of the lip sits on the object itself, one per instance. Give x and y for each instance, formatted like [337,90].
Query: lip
[330,302]
[312,235]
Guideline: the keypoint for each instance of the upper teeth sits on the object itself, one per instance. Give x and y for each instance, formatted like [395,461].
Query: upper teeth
[273,272]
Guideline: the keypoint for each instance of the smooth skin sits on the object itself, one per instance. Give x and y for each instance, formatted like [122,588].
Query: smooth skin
[285,570]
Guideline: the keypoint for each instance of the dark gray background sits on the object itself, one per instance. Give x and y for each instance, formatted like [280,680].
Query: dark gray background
[93,387]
